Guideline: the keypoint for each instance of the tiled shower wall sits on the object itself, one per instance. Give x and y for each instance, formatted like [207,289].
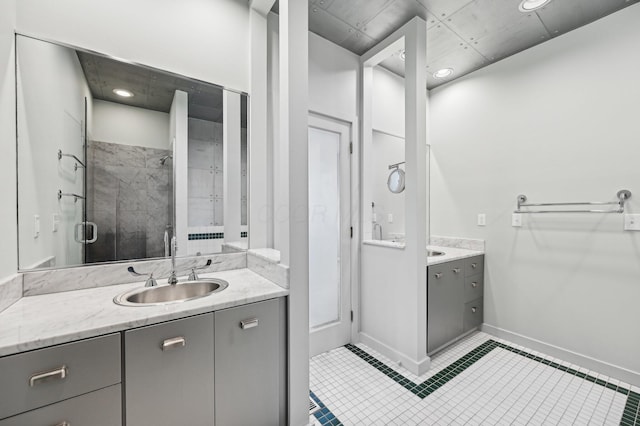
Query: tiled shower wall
[206,220]
[129,197]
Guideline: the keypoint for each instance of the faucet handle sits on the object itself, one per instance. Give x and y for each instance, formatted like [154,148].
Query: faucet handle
[193,276]
[151,282]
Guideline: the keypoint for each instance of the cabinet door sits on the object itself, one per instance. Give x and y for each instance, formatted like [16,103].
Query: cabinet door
[444,303]
[250,365]
[169,373]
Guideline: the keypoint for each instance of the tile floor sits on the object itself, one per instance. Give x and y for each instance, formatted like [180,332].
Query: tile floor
[481,380]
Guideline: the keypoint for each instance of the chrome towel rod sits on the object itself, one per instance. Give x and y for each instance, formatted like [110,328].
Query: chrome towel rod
[61,154]
[64,194]
[622,195]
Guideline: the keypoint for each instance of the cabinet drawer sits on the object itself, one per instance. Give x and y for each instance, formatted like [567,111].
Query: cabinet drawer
[34,379]
[474,265]
[473,313]
[473,288]
[98,408]
[446,271]
[169,373]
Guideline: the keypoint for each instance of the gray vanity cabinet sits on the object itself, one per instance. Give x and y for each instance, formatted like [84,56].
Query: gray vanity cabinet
[454,300]
[444,295]
[169,373]
[250,353]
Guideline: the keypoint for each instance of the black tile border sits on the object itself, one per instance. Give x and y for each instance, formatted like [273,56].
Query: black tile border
[324,415]
[630,415]
[206,236]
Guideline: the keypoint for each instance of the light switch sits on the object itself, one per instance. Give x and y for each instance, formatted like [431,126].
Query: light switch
[390,218]
[482,219]
[632,222]
[516,220]
[36,226]
[375,217]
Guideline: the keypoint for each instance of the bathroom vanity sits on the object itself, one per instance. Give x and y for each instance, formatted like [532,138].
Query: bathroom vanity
[454,300]
[77,358]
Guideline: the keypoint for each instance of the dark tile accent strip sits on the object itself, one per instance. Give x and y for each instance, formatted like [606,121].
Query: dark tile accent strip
[207,236]
[243,234]
[324,415]
[630,416]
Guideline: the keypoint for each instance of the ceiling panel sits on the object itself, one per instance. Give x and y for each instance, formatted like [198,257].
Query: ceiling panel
[562,16]
[397,12]
[357,12]
[496,28]
[444,8]
[328,26]
[358,42]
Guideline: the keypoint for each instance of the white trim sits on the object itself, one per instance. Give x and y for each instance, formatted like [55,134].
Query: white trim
[620,373]
[416,367]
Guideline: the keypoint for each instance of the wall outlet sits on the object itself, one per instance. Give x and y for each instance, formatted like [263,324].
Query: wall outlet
[375,217]
[390,218]
[482,219]
[36,226]
[632,222]
[516,220]
[55,222]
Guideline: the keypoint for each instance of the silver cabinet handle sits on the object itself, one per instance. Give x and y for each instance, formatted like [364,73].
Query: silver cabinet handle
[64,424]
[249,323]
[57,374]
[474,284]
[474,309]
[174,342]
[438,275]
[474,265]
[456,270]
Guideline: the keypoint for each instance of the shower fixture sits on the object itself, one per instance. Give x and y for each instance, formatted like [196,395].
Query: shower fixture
[165,158]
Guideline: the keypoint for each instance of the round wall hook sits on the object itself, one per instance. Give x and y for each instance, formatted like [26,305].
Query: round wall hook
[624,194]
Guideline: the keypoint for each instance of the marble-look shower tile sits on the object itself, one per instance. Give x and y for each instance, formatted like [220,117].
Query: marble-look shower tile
[105,153]
[10,291]
[158,179]
[131,156]
[104,189]
[130,178]
[91,276]
[200,212]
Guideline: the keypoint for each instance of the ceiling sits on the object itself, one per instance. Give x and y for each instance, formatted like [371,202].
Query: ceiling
[152,89]
[461,34]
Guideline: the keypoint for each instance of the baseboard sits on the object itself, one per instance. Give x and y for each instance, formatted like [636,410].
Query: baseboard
[585,361]
[416,367]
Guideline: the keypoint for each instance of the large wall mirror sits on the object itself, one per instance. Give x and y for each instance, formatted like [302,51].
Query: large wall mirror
[115,158]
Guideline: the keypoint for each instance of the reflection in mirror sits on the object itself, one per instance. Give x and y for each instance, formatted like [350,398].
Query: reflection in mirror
[115,158]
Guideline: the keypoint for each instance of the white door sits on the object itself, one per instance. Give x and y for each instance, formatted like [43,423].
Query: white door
[329,235]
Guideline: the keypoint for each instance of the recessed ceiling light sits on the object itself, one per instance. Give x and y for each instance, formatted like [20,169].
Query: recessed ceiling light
[122,92]
[529,5]
[443,73]
[403,54]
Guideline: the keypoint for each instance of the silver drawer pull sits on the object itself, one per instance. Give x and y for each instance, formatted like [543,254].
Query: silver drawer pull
[57,374]
[174,342]
[456,270]
[438,275]
[249,323]
[64,424]
[474,284]
[474,265]
[474,309]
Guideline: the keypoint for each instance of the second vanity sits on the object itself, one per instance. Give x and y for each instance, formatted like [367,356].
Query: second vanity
[76,358]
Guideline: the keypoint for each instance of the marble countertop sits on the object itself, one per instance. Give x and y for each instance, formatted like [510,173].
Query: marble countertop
[38,321]
[450,253]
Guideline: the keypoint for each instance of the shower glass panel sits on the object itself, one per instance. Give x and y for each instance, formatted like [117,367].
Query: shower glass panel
[324,227]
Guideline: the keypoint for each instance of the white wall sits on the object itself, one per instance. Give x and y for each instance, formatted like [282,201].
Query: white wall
[8,257]
[387,150]
[558,122]
[387,105]
[50,118]
[179,134]
[203,39]
[128,125]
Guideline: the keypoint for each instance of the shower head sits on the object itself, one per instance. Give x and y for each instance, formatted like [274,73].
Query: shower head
[165,158]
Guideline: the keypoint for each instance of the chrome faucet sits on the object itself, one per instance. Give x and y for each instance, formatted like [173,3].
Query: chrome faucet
[173,279]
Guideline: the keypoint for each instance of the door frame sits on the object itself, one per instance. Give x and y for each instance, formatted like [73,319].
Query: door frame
[329,123]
